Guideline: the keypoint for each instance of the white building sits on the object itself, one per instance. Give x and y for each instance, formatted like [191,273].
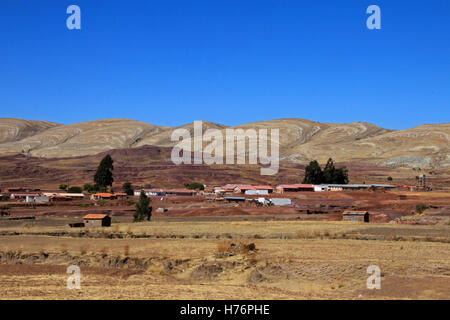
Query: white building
[281,201]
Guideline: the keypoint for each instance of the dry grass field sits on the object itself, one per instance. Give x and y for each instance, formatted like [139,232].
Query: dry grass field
[215,260]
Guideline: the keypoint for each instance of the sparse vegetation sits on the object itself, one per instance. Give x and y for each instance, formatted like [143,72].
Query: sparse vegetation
[194,186]
[5,210]
[90,188]
[143,209]
[421,207]
[74,189]
[127,188]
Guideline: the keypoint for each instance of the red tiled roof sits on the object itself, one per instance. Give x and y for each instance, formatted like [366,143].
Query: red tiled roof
[95,216]
[296,186]
[350,212]
[103,195]
[262,187]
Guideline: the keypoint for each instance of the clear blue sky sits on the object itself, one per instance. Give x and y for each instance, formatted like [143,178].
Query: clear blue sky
[169,62]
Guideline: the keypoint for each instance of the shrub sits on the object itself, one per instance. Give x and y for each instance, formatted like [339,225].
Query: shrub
[90,188]
[127,188]
[74,190]
[421,207]
[63,186]
[194,186]
[389,178]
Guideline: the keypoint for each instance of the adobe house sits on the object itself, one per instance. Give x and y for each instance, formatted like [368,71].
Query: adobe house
[104,196]
[362,216]
[294,187]
[244,188]
[97,220]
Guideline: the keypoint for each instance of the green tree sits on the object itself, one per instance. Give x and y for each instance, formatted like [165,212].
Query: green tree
[127,188]
[143,209]
[389,178]
[74,190]
[104,177]
[90,188]
[313,173]
[194,186]
[341,176]
[63,186]
[329,172]
[421,207]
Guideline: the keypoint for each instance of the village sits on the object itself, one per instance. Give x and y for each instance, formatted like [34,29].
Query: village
[284,201]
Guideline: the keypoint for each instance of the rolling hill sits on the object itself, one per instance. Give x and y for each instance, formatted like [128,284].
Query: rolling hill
[300,140]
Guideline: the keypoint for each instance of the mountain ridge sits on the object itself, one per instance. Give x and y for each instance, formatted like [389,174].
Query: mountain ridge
[301,140]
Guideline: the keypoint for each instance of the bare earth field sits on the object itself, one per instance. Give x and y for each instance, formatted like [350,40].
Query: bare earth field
[192,259]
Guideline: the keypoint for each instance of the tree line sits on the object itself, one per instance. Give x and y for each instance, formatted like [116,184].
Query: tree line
[330,174]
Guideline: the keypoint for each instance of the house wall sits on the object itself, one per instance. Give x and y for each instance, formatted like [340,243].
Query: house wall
[92,223]
[359,218]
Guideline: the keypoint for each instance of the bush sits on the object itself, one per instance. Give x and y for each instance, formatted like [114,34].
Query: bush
[90,188]
[389,178]
[63,186]
[4,211]
[127,188]
[421,207]
[74,190]
[194,186]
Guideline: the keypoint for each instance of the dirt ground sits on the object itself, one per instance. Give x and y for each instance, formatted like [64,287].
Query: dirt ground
[216,260]
[202,249]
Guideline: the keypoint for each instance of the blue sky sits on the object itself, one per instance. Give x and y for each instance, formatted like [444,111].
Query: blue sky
[169,62]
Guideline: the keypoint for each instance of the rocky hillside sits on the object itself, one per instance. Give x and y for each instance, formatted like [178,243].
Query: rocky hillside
[17,129]
[300,140]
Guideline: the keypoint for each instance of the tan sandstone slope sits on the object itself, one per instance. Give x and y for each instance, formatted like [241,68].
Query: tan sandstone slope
[300,140]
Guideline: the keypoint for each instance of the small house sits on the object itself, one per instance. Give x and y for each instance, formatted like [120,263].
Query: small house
[39,199]
[281,201]
[104,196]
[362,216]
[294,188]
[97,220]
[23,196]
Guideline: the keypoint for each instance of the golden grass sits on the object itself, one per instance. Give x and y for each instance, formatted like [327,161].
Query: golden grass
[293,260]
